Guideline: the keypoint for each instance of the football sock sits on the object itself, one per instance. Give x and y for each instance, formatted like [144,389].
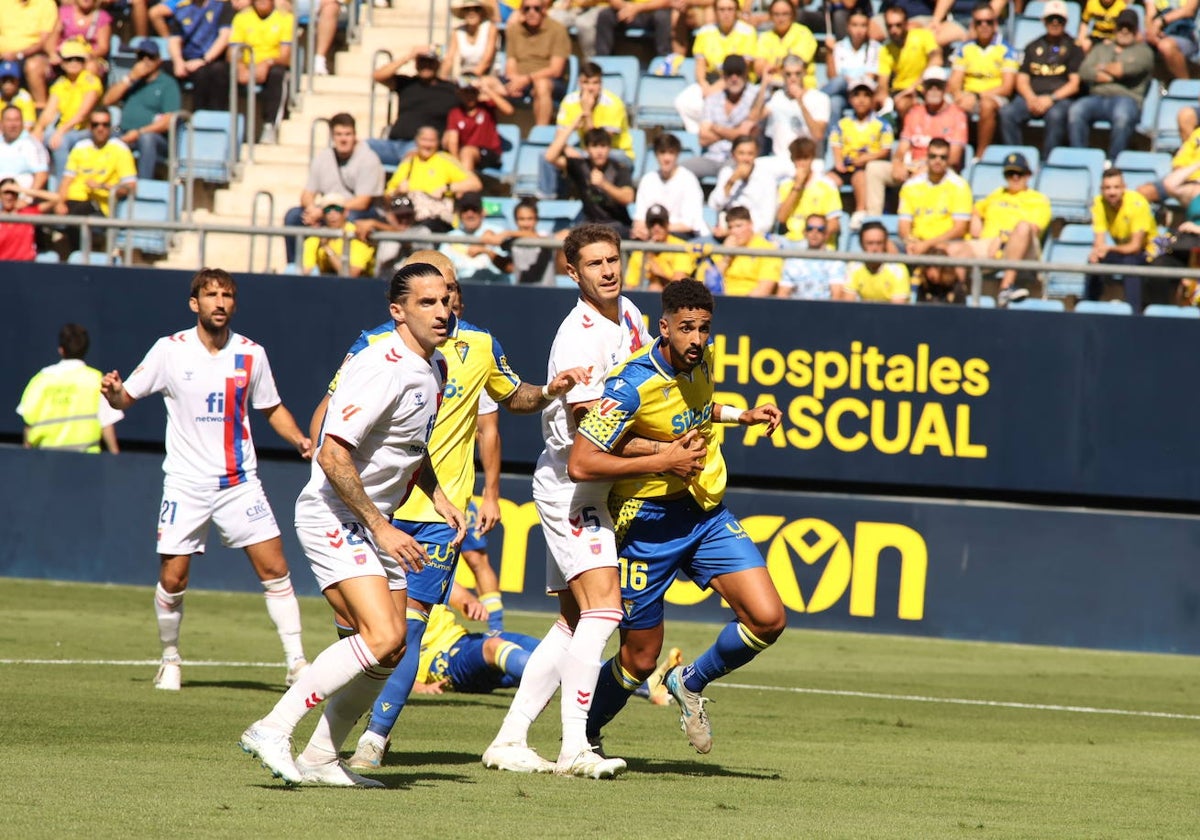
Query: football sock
[495,608]
[735,646]
[511,658]
[344,708]
[284,610]
[613,690]
[337,665]
[580,668]
[538,684]
[168,609]
[399,685]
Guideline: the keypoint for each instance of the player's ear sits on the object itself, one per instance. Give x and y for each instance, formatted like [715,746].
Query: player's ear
[193,304]
[662,327]
[397,312]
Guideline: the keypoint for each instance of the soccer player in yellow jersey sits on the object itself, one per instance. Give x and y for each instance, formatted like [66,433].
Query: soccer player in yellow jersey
[1008,224]
[935,206]
[984,74]
[903,59]
[666,523]
[1124,216]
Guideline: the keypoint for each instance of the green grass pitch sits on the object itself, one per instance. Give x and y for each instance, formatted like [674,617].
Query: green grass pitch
[827,735]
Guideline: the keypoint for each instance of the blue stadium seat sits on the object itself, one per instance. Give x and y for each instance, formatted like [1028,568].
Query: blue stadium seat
[1181,93]
[989,302]
[557,214]
[93,258]
[627,68]
[1076,235]
[500,210]
[52,257]
[1163,310]
[209,158]
[525,175]
[510,144]
[1038,305]
[1070,191]
[1103,307]
[1025,32]
[985,178]
[640,152]
[1142,167]
[1066,283]
[1090,159]
[151,203]
[656,102]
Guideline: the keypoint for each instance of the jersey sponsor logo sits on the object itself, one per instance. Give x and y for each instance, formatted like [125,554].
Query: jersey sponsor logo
[691,418]
[349,411]
[607,406]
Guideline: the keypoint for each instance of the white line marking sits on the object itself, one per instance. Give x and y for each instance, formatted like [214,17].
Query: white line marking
[827,692]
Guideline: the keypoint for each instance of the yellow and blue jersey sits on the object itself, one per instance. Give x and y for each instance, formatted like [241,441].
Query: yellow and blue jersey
[441,632]
[852,136]
[984,67]
[647,397]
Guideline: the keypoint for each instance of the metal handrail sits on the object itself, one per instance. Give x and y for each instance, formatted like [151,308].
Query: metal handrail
[173,161]
[270,197]
[375,65]
[312,138]
[310,44]
[235,147]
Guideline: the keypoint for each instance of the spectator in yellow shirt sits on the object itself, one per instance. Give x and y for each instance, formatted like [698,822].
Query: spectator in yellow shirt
[903,59]
[11,93]
[1183,181]
[654,270]
[1124,216]
[744,276]
[325,253]
[29,30]
[875,282]
[72,99]
[935,206]
[984,72]
[1008,224]
[806,194]
[1098,21]
[785,37]
[269,33]
[426,175]
[858,140]
[99,171]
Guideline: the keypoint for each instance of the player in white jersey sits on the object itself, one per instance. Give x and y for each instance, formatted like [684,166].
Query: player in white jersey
[209,377]
[602,331]
[373,450]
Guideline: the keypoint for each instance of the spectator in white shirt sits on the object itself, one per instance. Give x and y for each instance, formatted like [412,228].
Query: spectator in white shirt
[21,157]
[853,57]
[794,112]
[673,187]
[747,182]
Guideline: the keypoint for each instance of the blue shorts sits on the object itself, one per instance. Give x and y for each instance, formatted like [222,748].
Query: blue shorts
[657,539]
[474,541]
[431,585]
[467,668]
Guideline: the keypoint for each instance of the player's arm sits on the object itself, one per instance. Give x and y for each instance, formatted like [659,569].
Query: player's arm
[630,445]
[108,435]
[683,457]
[284,424]
[112,388]
[767,413]
[489,455]
[318,418]
[526,398]
[428,484]
[464,600]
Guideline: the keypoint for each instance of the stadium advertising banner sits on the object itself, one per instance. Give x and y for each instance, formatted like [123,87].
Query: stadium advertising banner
[915,567]
[941,398]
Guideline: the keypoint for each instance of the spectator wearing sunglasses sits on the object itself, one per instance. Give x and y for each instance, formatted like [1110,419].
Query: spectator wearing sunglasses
[72,99]
[935,206]
[795,110]
[149,100]
[983,72]
[536,66]
[1118,73]
[809,278]
[99,171]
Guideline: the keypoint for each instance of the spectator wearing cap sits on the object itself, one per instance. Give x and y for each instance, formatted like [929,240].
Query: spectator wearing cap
[1125,217]
[199,37]
[715,44]
[99,171]
[266,32]
[28,36]
[746,181]
[652,270]
[473,263]
[536,65]
[347,167]
[854,56]
[784,38]
[732,111]
[795,110]
[1008,224]
[983,72]
[602,182]
[528,264]
[471,134]
[807,278]
[16,238]
[1171,30]
[21,157]
[85,21]
[903,59]
[149,100]
[674,188]
[399,216]
[1098,21]
[11,93]
[934,116]
[323,253]
[935,206]
[1117,72]
[615,16]
[72,98]
[1047,83]
[806,194]
[430,177]
[424,99]
[857,140]
[472,49]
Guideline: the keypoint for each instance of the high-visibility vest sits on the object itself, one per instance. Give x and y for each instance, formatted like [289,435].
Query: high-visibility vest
[63,409]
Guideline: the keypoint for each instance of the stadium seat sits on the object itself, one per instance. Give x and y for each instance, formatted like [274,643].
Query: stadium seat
[510,144]
[640,152]
[1090,159]
[1066,283]
[1076,235]
[985,177]
[52,257]
[93,258]
[1164,310]
[1181,93]
[656,102]
[1025,32]
[1142,167]
[208,157]
[1069,189]
[151,203]
[529,157]
[988,302]
[1038,305]
[557,214]
[627,68]
[1103,307]
[500,210]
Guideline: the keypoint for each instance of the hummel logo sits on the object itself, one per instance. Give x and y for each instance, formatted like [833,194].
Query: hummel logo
[313,700]
[392,355]
[583,698]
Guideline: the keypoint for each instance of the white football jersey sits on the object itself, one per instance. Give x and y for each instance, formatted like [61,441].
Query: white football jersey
[207,398]
[384,407]
[584,339]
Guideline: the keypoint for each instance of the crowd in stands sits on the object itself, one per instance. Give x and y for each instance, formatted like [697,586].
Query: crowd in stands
[799,123]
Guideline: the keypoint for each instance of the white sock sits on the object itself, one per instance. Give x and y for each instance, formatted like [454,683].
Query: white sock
[580,669]
[341,713]
[337,665]
[538,684]
[284,610]
[168,609]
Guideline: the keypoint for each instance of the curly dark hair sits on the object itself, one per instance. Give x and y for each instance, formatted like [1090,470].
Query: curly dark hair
[686,294]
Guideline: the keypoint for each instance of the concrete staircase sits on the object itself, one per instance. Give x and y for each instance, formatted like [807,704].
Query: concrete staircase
[281,170]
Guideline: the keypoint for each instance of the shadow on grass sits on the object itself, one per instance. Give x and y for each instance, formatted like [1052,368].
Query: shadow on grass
[698,768]
[410,760]
[236,685]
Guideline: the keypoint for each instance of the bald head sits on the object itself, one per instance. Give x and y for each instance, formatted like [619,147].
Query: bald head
[438,260]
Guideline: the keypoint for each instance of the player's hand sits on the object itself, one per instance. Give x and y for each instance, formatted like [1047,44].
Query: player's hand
[475,610]
[111,386]
[684,457]
[568,379]
[398,545]
[766,413]
[305,447]
[438,687]
[453,516]
[489,516]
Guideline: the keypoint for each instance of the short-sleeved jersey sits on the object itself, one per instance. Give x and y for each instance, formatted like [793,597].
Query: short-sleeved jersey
[23,101]
[984,67]
[433,176]
[585,338]
[921,127]
[441,632]
[109,165]
[25,23]
[798,40]
[934,208]
[716,46]
[903,65]
[889,282]
[853,136]
[743,274]
[648,397]
[266,36]
[198,23]
[70,96]
[1002,210]
[1050,66]
[637,270]
[1188,154]
[1100,20]
[610,114]
[208,400]
[1133,215]
[362,254]
[820,197]
[384,408]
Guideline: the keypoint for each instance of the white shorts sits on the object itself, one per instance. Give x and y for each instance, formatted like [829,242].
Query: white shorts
[338,551]
[579,537]
[241,513]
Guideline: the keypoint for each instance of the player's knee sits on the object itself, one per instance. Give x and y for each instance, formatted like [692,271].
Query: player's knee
[387,642]
[769,626]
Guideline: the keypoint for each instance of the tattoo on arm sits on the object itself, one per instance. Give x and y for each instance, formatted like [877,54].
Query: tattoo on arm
[342,474]
[526,399]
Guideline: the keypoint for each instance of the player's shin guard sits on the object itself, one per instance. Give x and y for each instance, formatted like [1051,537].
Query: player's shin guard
[284,610]
[337,665]
[511,658]
[495,607]
[538,684]
[399,685]
[735,646]
[168,609]
[580,670]
[341,713]
[613,690]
